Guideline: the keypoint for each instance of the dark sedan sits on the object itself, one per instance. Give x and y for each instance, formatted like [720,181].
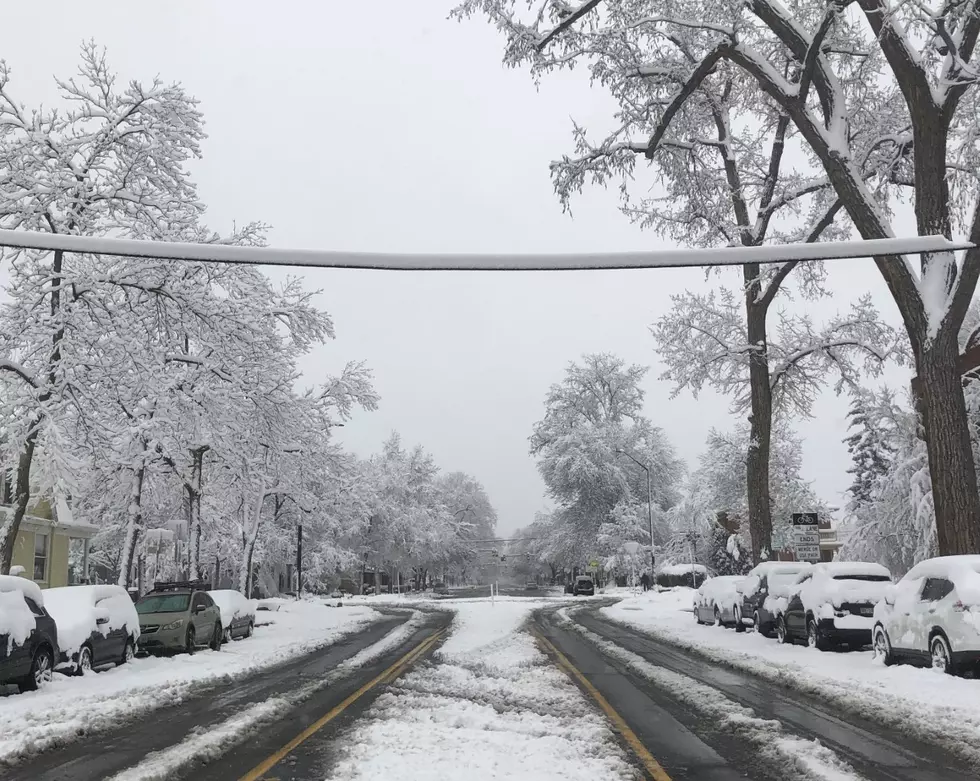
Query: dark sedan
[28,649]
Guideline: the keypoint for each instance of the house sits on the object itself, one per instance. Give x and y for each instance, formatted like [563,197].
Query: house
[51,546]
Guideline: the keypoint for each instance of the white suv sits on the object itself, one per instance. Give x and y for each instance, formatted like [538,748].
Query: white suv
[932,615]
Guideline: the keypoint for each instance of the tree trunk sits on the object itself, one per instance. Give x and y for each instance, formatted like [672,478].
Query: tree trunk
[22,495]
[947,436]
[134,524]
[252,534]
[760,423]
[194,488]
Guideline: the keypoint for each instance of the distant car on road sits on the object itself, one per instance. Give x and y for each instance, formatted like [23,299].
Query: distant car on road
[583,586]
[932,616]
[97,626]
[440,588]
[531,586]
[28,635]
[716,600]
[237,612]
[756,588]
[833,605]
[179,616]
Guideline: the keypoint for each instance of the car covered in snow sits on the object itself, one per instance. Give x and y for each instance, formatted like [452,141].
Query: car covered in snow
[179,616]
[97,626]
[832,605]
[932,615]
[237,612]
[28,634]
[583,585]
[755,589]
[716,600]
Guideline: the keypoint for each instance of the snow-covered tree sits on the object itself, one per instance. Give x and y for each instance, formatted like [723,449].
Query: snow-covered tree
[869,444]
[594,447]
[882,99]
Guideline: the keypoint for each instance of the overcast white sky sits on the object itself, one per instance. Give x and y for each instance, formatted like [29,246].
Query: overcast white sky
[383,126]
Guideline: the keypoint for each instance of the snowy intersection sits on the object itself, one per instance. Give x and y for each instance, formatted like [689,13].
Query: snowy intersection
[519,688]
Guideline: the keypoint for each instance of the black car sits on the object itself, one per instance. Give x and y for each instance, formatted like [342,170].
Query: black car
[756,587]
[29,663]
[583,585]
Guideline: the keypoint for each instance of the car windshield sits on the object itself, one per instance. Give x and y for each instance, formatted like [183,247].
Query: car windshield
[864,577]
[782,579]
[163,603]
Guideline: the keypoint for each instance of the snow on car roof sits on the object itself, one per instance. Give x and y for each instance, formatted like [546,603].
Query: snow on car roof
[839,568]
[785,567]
[682,569]
[74,611]
[963,570]
[25,586]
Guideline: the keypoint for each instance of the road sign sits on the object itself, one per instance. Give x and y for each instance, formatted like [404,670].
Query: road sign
[594,564]
[806,537]
[805,519]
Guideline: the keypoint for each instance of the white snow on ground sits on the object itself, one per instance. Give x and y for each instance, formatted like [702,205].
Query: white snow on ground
[216,739]
[810,759]
[70,707]
[939,708]
[489,705]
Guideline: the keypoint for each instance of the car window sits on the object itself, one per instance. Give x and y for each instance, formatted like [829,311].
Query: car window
[163,603]
[198,601]
[206,600]
[935,589]
[35,609]
[865,578]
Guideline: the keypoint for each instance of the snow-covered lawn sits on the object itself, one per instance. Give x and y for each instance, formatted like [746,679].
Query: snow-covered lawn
[937,707]
[69,706]
[489,705]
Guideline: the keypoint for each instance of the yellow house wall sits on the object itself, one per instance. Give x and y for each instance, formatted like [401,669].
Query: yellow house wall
[57,571]
[24,552]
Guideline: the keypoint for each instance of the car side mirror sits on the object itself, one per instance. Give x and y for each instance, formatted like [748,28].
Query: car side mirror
[102,620]
[200,608]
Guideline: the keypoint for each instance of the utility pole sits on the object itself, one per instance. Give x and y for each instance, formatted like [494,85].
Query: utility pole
[299,561]
[645,468]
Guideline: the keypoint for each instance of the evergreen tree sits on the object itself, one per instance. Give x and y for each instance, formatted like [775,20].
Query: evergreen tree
[870,446]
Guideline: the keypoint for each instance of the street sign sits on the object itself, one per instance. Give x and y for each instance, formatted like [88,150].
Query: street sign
[594,564]
[806,537]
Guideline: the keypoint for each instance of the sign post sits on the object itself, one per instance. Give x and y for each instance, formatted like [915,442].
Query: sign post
[806,537]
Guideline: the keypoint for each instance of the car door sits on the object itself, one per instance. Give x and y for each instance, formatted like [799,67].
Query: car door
[925,611]
[212,611]
[898,621]
[795,612]
[17,663]
[107,647]
[200,617]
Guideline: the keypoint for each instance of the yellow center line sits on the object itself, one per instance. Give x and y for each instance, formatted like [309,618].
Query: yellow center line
[385,677]
[653,768]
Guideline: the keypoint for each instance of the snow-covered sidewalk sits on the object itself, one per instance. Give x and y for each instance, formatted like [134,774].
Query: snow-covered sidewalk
[489,705]
[940,708]
[70,707]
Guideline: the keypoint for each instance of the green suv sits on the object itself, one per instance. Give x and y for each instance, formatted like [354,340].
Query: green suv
[179,617]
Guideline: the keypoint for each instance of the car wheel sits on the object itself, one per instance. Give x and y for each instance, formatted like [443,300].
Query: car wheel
[718,621]
[881,646]
[739,626]
[190,641]
[217,636]
[251,628]
[697,614]
[814,637]
[228,635]
[129,652]
[84,666]
[782,637]
[42,670]
[942,654]
[763,630]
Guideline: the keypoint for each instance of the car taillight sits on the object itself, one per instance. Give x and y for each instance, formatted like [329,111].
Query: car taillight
[959,607]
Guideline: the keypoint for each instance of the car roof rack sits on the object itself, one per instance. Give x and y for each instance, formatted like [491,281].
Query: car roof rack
[180,585]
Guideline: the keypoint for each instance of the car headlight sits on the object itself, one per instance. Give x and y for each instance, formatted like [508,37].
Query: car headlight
[173,625]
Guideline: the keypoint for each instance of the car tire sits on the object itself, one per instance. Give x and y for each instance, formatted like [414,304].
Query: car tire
[697,615]
[84,665]
[217,636]
[41,672]
[190,641]
[814,637]
[881,646]
[718,621]
[251,628]
[129,652]
[782,634]
[761,628]
[942,654]
[228,635]
[739,626]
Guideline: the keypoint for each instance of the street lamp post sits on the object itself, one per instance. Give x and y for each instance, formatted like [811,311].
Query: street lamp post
[646,469]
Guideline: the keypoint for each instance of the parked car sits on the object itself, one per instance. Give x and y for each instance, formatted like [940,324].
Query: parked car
[179,617]
[583,586]
[833,604]
[755,589]
[440,588]
[237,612]
[531,586]
[97,626]
[932,616]
[28,635]
[716,600]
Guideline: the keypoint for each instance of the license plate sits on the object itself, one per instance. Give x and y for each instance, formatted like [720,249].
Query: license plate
[867,611]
